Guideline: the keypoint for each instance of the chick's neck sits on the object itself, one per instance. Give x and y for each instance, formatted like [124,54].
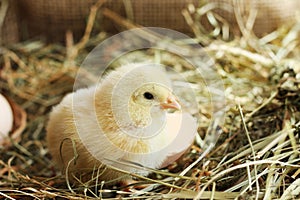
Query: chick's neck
[139,115]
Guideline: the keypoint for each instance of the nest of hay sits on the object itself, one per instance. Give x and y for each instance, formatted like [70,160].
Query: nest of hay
[256,155]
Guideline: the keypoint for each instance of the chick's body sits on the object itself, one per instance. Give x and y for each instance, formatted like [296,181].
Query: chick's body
[122,118]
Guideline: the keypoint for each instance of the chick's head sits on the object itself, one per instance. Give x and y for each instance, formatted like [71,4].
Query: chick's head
[134,97]
[150,102]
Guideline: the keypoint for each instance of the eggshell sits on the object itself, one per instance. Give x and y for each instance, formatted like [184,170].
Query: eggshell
[6,117]
[186,128]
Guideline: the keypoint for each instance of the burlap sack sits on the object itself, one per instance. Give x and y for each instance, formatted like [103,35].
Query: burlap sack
[271,14]
[9,27]
[52,18]
[167,13]
[162,13]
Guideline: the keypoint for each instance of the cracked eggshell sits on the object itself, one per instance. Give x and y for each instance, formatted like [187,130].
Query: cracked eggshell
[6,118]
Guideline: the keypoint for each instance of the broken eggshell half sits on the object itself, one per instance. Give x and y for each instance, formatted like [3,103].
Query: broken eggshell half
[12,121]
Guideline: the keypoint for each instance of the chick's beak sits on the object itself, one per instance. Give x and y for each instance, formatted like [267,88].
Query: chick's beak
[171,102]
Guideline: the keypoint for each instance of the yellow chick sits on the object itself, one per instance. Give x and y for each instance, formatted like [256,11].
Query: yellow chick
[124,118]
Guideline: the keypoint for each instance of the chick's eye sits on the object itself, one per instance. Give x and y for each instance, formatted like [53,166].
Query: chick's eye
[148,95]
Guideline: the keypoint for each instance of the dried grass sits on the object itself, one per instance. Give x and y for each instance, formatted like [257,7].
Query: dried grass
[256,156]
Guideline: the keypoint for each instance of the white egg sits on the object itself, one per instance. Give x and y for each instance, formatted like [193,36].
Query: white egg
[6,117]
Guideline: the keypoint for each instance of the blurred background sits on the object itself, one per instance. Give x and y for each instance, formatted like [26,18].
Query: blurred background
[50,20]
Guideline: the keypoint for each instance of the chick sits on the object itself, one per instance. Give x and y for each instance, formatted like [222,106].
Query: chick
[124,118]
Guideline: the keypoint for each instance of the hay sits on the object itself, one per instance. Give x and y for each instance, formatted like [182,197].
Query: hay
[256,156]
